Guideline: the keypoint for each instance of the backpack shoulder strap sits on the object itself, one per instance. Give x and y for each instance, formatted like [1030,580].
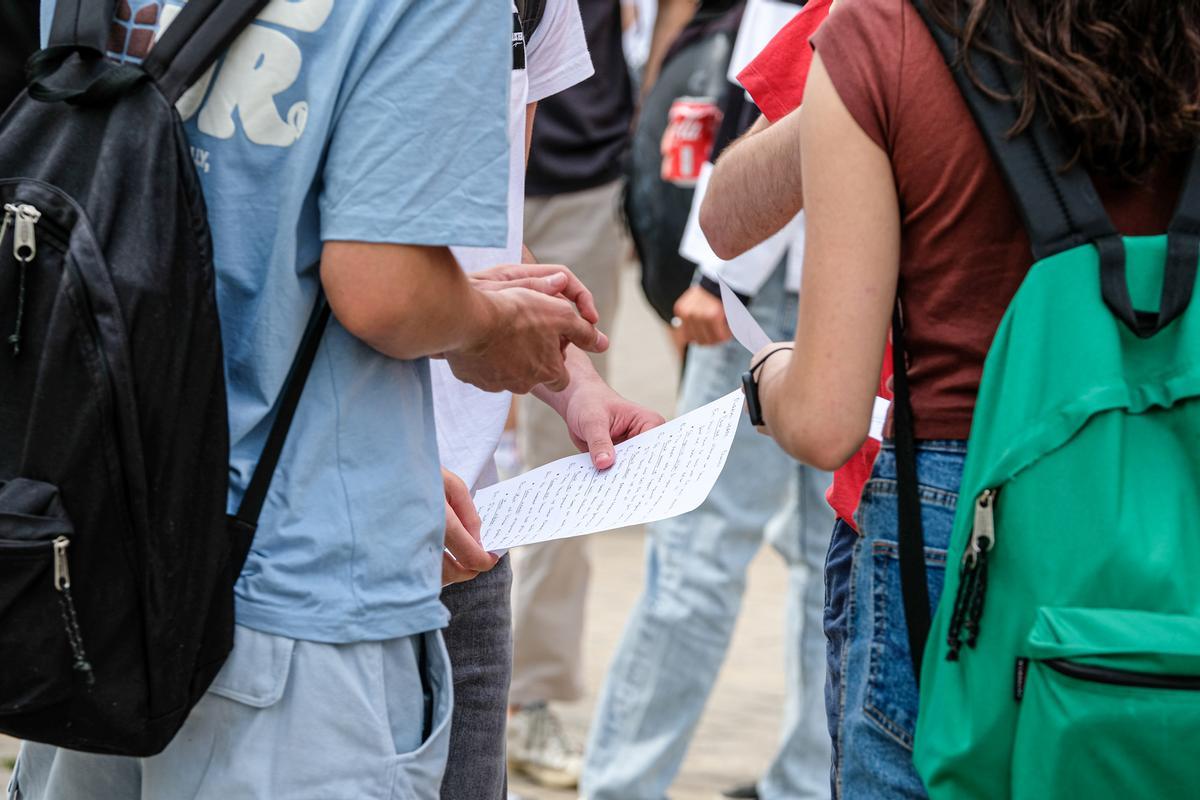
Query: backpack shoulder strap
[79,36]
[203,31]
[531,13]
[82,24]
[285,411]
[1060,209]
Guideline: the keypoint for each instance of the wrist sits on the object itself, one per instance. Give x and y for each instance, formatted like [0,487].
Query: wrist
[481,320]
[583,378]
[759,381]
[767,381]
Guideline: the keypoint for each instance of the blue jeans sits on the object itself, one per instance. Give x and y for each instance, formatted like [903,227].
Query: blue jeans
[871,696]
[678,634]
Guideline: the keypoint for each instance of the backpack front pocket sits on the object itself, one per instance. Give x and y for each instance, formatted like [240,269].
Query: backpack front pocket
[1109,706]
[39,634]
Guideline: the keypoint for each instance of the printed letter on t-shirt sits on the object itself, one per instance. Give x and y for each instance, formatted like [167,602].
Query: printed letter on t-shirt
[260,65]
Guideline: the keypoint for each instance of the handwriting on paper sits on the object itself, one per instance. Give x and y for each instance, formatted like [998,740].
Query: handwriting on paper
[662,473]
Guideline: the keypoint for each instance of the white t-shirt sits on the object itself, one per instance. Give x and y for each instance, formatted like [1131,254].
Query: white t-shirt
[469,420]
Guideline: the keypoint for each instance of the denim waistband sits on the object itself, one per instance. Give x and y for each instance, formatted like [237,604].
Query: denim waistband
[933,445]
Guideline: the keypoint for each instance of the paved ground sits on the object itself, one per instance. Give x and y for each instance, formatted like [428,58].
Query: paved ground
[737,736]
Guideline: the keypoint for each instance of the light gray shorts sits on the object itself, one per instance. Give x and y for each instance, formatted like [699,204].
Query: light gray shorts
[284,720]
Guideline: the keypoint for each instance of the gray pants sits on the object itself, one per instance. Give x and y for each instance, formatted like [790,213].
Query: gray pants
[479,640]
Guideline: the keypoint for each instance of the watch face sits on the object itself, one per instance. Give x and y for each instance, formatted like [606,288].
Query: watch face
[750,387]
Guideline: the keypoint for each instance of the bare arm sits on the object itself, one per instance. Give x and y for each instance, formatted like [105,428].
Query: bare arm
[756,187]
[405,301]
[817,404]
[673,16]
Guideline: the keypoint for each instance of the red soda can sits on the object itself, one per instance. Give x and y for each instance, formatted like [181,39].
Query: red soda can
[687,142]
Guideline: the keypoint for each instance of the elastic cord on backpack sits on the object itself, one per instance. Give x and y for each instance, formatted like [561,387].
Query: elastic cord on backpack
[15,338]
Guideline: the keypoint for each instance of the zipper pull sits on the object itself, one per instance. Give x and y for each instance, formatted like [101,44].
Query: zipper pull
[62,572]
[972,577]
[25,237]
[24,249]
[983,537]
[62,583]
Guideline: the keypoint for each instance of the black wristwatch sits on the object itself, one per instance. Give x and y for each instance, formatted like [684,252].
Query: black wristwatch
[750,387]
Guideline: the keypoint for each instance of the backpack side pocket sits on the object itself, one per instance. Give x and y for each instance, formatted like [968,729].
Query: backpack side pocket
[1109,702]
[38,627]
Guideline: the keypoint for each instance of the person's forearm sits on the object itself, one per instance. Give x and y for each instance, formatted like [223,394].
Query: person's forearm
[582,373]
[404,301]
[755,188]
[803,423]
[672,17]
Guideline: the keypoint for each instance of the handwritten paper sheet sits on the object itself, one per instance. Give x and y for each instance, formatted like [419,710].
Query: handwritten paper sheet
[662,473]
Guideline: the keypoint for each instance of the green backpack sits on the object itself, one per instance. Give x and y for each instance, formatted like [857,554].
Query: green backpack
[1064,657]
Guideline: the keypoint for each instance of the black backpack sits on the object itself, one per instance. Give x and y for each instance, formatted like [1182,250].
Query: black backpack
[657,211]
[18,40]
[117,561]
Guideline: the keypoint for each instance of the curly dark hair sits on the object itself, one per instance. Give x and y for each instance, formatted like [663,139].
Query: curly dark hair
[1120,79]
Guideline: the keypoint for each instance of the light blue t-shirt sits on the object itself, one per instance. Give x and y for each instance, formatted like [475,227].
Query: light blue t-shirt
[358,120]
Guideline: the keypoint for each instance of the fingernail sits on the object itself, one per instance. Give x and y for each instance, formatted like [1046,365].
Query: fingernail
[558,280]
[604,460]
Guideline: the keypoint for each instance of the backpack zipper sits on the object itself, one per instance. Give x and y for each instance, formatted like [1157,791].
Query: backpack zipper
[58,237]
[972,577]
[1105,675]
[1120,677]
[62,583]
[66,603]
[24,251]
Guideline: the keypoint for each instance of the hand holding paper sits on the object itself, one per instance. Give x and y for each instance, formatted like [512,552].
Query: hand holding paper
[662,473]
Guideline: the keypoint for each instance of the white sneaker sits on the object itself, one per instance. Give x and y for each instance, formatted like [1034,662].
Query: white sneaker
[540,750]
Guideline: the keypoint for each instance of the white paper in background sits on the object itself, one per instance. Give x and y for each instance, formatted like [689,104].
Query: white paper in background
[751,269]
[694,245]
[662,473]
[744,326]
[879,418]
[760,22]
